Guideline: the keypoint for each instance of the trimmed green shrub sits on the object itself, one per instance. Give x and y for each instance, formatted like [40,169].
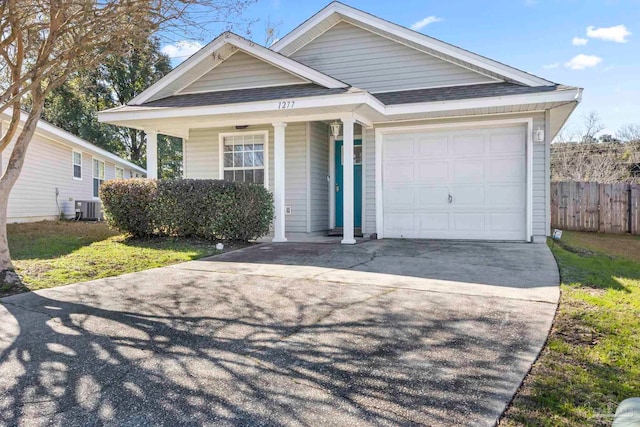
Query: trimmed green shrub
[128,205]
[209,209]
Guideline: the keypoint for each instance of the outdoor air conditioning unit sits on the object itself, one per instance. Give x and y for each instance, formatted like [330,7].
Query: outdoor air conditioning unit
[88,210]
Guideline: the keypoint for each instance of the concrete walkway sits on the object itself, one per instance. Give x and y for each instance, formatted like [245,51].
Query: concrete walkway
[380,333]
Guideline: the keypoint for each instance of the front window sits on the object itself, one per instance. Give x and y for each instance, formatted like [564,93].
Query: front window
[77,165]
[98,176]
[119,173]
[244,158]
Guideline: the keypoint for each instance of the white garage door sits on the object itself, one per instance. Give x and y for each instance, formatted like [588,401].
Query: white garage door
[461,184]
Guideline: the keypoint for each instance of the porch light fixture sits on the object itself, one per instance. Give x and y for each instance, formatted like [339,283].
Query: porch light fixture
[335,128]
[538,135]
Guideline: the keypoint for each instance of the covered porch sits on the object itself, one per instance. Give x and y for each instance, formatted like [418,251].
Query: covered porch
[311,159]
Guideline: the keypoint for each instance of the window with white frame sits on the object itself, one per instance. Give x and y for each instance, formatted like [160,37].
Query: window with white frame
[244,158]
[98,176]
[77,165]
[119,173]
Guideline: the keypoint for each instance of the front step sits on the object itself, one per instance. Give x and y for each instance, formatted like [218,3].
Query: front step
[338,231]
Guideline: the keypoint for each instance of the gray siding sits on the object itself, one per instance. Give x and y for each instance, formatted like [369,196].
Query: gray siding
[202,161]
[319,188]
[47,167]
[241,71]
[540,182]
[374,63]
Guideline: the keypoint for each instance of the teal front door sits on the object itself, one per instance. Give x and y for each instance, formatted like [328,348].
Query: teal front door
[357,183]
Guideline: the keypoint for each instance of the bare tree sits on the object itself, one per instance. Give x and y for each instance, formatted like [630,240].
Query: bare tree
[591,127]
[271,32]
[42,42]
[629,133]
[584,161]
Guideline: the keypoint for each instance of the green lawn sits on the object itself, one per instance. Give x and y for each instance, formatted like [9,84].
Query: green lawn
[592,359]
[53,253]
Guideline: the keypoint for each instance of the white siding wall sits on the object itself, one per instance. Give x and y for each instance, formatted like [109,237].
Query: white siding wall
[240,71]
[374,63]
[47,166]
[540,224]
[202,154]
[319,170]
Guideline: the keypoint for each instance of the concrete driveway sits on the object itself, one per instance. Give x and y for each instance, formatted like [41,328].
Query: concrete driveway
[380,333]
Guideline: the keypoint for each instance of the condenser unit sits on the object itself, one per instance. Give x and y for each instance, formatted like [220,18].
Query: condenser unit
[89,210]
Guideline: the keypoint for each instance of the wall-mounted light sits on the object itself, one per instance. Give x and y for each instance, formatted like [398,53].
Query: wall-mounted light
[538,135]
[335,128]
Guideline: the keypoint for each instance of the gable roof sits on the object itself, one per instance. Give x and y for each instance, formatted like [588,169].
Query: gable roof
[216,52]
[336,12]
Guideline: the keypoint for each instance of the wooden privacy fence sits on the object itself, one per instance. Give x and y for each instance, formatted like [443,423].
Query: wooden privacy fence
[590,206]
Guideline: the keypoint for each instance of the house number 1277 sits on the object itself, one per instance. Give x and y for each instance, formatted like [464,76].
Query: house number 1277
[285,105]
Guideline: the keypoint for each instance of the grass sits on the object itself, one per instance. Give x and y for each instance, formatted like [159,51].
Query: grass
[592,359]
[52,253]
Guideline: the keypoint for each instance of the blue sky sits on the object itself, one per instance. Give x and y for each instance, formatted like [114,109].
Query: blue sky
[594,44]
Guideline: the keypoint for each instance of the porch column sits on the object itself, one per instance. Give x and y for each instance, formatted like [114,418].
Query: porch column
[152,154]
[278,182]
[347,181]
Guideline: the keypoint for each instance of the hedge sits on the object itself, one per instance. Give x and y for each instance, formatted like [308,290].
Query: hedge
[204,208]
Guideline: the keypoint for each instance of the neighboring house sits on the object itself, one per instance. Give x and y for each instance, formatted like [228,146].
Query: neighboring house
[59,168]
[359,124]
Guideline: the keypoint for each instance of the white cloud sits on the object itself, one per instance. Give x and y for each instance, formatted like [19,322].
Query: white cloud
[581,62]
[182,48]
[426,21]
[579,41]
[551,66]
[618,33]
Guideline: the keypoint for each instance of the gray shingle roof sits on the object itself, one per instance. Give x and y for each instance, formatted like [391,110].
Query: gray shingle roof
[459,92]
[243,95]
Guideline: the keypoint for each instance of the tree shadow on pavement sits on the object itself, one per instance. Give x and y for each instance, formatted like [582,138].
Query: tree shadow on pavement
[225,354]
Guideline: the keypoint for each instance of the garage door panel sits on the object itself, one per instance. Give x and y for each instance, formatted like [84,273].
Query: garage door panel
[400,197]
[506,221]
[482,169]
[500,195]
[507,143]
[509,169]
[468,144]
[433,221]
[469,221]
[433,146]
[469,195]
[399,172]
[402,147]
[430,172]
[400,224]
[433,196]
[469,171]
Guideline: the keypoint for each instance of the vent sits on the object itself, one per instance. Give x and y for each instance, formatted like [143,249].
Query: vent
[88,210]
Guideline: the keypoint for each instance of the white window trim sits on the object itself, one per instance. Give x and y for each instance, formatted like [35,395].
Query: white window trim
[527,122]
[116,172]
[73,164]
[104,179]
[223,135]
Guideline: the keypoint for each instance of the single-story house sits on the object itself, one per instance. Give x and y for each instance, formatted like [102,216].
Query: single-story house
[59,169]
[361,125]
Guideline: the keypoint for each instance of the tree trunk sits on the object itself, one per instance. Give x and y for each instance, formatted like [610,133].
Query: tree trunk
[14,167]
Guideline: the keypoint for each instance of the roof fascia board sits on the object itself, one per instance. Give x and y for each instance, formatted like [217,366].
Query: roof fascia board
[428,42]
[274,58]
[51,132]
